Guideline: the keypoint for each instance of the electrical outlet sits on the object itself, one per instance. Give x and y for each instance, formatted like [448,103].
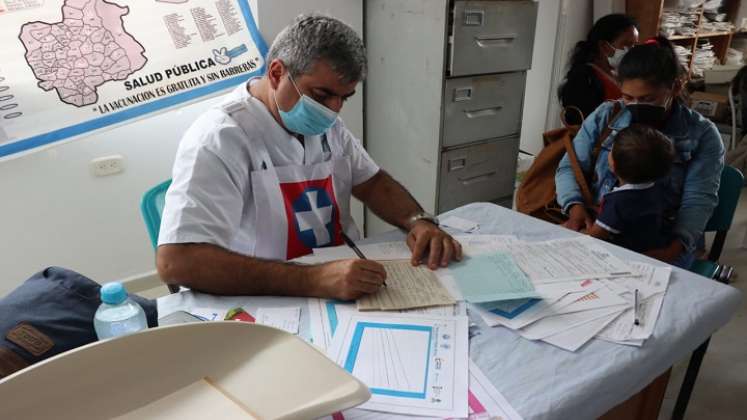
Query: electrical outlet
[107,165]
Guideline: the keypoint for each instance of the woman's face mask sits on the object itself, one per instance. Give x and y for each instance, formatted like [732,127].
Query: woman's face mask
[648,114]
[616,56]
[651,110]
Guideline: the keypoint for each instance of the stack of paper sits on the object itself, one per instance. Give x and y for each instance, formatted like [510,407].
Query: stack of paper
[415,362]
[571,314]
[651,286]
[681,21]
[412,364]
[705,57]
[485,403]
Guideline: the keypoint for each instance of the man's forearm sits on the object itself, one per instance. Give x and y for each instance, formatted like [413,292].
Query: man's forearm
[388,199]
[212,269]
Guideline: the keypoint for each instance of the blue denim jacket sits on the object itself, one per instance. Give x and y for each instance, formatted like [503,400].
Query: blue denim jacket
[691,187]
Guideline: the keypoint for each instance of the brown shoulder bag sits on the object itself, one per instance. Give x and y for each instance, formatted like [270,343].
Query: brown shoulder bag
[536,195]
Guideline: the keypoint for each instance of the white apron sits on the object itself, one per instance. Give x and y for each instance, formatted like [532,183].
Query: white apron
[296,207]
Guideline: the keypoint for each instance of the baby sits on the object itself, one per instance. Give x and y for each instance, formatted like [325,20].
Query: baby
[632,214]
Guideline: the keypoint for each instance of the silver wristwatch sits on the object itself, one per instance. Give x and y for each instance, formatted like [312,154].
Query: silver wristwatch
[423,216]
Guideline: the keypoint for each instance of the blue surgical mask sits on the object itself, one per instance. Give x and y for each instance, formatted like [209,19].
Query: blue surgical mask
[307,117]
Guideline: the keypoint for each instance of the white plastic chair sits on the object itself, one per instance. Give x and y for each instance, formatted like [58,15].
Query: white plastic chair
[272,373]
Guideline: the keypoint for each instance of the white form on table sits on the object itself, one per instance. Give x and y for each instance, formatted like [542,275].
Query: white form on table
[412,364]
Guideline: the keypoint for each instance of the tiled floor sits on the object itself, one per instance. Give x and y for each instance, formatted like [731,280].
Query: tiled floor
[721,389]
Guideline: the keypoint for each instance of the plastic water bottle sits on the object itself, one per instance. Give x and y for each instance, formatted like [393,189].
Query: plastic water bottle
[118,314]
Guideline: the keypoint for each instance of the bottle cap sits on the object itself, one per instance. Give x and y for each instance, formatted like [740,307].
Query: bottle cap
[113,293]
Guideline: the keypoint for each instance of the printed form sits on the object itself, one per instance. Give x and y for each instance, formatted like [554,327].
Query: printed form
[485,403]
[567,259]
[490,278]
[325,313]
[413,364]
[407,287]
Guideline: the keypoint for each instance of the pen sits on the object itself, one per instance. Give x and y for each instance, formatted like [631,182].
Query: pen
[635,308]
[349,242]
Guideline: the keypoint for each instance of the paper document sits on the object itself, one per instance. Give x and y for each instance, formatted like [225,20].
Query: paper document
[286,319]
[459,223]
[407,287]
[412,364]
[509,308]
[652,286]
[209,314]
[380,251]
[490,278]
[197,401]
[602,297]
[552,300]
[485,403]
[552,325]
[567,259]
[574,338]
[324,316]
[480,244]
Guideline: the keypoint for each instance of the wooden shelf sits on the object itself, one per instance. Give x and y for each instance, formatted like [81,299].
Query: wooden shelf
[681,37]
[701,35]
[713,34]
[648,14]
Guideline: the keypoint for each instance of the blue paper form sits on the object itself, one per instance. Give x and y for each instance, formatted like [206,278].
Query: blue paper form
[491,278]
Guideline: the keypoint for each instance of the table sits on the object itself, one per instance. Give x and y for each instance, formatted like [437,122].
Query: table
[542,381]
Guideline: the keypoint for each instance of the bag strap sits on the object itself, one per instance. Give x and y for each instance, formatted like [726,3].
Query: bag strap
[577,171]
[564,115]
[611,117]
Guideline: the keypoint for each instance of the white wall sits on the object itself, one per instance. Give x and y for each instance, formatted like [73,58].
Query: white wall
[54,212]
[575,21]
[538,86]
[560,24]
[605,7]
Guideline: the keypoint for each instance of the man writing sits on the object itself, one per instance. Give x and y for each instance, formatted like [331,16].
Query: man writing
[267,176]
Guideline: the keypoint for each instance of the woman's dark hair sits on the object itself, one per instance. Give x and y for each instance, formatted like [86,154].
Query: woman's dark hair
[654,61]
[642,154]
[607,28]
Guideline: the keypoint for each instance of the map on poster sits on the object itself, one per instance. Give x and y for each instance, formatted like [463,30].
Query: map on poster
[69,67]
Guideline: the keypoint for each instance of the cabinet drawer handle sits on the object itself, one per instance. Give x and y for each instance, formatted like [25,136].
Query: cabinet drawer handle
[498,40]
[484,112]
[478,178]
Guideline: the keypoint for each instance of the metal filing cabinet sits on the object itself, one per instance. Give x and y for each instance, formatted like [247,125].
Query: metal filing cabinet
[444,96]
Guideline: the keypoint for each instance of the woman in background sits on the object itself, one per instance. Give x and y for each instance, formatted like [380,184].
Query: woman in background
[591,77]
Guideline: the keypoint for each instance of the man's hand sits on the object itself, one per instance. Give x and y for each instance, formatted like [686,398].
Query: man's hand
[670,254]
[578,219]
[441,247]
[347,279]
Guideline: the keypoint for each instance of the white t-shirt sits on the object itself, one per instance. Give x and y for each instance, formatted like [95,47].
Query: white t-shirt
[210,194]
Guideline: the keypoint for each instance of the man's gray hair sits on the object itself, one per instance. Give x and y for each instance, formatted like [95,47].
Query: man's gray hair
[316,37]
